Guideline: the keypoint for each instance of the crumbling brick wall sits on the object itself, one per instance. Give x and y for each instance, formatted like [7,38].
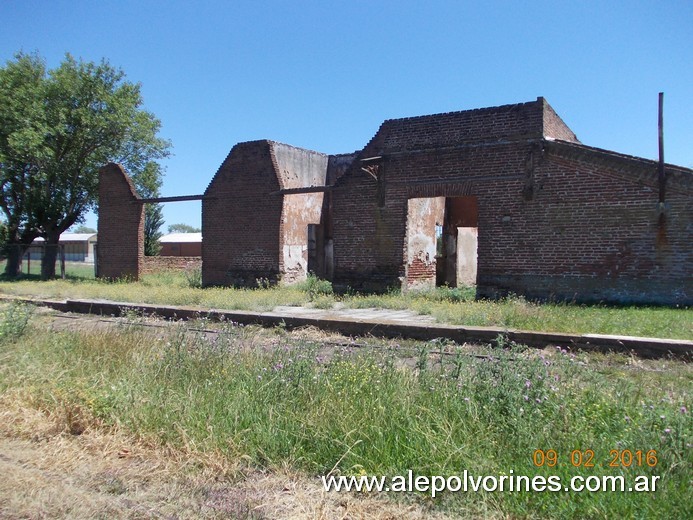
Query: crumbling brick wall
[298,169]
[254,224]
[556,219]
[591,232]
[120,246]
[552,218]
[241,216]
[154,264]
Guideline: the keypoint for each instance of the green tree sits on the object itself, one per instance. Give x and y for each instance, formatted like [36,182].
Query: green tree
[182,228]
[22,127]
[57,128]
[153,220]
[84,229]
[148,184]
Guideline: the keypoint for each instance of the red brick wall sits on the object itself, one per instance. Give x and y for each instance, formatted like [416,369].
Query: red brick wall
[241,215]
[120,247]
[555,220]
[553,125]
[153,264]
[508,122]
[369,240]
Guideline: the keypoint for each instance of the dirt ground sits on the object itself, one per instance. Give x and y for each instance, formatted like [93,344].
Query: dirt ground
[46,473]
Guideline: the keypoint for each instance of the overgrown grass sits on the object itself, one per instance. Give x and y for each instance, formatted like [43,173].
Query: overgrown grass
[274,399]
[448,305]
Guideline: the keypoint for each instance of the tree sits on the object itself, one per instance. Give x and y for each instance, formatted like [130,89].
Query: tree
[57,128]
[148,185]
[153,220]
[182,228]
[21,129]
[84,229]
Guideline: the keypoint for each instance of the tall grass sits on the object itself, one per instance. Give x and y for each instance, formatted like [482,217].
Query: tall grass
[273,400]
[448,305]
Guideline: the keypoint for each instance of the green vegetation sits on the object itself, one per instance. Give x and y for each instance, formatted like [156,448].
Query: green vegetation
[182,228]
[83,229]
[277,400]
[447,305]
[58,127]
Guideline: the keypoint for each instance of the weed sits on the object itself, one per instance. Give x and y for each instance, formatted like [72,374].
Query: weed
[264,283]
[14,320]
[193,276]
[315,287]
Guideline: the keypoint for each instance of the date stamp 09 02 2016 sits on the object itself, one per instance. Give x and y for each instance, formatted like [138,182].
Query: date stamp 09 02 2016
[587,458]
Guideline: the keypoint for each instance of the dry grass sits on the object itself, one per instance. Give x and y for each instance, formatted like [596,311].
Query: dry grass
[50,472]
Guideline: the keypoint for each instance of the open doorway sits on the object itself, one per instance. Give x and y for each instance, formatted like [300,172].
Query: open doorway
[441,242]
[456,261]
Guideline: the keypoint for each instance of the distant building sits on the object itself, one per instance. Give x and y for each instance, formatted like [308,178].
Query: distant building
[181,244]
[79,247]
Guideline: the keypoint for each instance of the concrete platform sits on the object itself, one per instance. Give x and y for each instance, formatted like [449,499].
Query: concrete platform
[384,323]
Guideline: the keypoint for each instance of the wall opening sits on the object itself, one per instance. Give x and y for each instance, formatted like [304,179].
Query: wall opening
[316,250]
[456,261]
[424,226]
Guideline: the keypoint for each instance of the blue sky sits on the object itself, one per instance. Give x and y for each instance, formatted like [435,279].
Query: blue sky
[323,75]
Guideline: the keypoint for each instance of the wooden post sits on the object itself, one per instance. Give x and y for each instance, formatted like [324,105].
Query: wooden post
[96,260]
[28,262]
[61,248]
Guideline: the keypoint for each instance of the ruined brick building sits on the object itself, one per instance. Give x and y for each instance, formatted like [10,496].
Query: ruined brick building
[505,198]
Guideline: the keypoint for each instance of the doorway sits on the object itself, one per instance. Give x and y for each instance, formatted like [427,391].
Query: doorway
[456,261]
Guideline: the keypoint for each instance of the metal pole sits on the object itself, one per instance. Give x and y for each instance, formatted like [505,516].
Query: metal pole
[662,172]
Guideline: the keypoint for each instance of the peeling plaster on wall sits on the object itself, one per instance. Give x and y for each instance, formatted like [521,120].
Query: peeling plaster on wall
[299,168]
[466,255]
[299,210]
[422,216]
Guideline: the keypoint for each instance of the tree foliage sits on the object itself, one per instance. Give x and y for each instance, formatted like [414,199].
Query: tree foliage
[57,129]
[84,229]
[148,184]
[182,228]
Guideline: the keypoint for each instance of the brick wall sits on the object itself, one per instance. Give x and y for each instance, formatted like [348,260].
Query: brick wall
[422,216]
[298,168]
[555,220]
[120,247]
[241,215]
[153,264]
[508,122]
[251,230]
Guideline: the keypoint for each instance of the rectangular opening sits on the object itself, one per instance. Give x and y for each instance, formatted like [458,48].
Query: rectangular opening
[457,260]
[316,250]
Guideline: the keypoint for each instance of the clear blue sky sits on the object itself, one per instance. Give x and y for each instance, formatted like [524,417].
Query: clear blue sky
[324,74]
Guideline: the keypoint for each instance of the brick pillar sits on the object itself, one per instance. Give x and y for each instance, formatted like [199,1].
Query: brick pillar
[120,246]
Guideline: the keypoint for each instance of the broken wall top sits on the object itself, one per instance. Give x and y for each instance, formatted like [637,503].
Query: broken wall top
[293,167]
[521,121]
[298,167]
[119,183]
